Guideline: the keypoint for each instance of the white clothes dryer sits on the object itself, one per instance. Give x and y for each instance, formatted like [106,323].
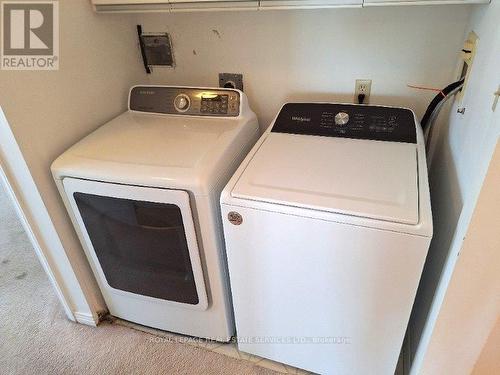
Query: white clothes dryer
[143,194]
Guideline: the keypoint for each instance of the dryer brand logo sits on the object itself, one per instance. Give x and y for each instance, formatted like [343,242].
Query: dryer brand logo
[301,119]
[30,35]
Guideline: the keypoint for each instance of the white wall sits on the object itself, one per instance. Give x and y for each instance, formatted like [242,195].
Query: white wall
[49,111]
[316,54]
[472,303]
[461,159]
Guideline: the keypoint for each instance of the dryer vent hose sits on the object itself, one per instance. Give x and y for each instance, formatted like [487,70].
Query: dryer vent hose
[436,104]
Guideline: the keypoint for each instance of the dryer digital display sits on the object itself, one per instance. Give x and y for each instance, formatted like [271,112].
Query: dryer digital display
[213,103]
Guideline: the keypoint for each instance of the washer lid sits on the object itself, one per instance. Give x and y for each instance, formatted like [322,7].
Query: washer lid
[373,179]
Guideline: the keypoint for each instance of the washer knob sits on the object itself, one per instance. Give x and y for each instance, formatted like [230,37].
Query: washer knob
[181,102]
[341,118]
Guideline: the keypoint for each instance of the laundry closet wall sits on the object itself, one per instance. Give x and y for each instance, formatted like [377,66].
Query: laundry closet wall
[317,54]
[48,111]
[460,285]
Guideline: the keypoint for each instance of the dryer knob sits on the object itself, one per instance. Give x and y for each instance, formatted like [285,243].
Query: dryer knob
[341,118]
[181,103]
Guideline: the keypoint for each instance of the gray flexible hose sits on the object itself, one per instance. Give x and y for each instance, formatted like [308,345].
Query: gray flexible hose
[434,114]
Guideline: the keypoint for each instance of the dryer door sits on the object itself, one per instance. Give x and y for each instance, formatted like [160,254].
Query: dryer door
[139,240]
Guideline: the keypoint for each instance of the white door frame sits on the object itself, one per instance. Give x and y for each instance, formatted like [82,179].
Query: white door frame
[31,210]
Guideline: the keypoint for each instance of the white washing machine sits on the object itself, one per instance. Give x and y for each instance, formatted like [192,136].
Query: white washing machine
[327,225]
[143,194]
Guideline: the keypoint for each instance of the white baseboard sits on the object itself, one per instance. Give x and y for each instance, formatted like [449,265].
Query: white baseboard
[85,318]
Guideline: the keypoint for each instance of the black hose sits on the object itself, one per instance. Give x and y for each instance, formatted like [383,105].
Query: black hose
[437,99]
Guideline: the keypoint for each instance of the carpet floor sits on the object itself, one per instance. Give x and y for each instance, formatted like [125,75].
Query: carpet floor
[37,338]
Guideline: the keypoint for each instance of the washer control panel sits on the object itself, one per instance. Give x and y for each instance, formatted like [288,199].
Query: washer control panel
[347,121]
[185,101]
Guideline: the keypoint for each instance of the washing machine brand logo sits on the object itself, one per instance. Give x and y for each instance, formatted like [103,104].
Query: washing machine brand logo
[146,92]
[235,218]
[301,119]
[30,35]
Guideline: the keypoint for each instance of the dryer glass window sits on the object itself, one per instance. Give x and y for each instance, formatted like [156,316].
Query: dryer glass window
[141,246]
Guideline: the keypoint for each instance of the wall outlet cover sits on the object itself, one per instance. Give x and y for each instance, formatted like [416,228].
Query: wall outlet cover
[231,80]
[362,86]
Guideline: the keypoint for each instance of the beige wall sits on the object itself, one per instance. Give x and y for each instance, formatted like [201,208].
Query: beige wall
[472,303]
[489,360]
[49,111]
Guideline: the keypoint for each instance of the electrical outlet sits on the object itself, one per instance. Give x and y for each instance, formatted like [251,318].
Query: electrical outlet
[231,80]
[363,86]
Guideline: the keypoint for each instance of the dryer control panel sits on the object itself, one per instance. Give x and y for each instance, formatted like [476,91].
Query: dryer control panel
[185,101]
[347,121]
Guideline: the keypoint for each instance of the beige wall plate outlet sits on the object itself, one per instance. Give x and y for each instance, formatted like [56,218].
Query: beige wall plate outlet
[362,87]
